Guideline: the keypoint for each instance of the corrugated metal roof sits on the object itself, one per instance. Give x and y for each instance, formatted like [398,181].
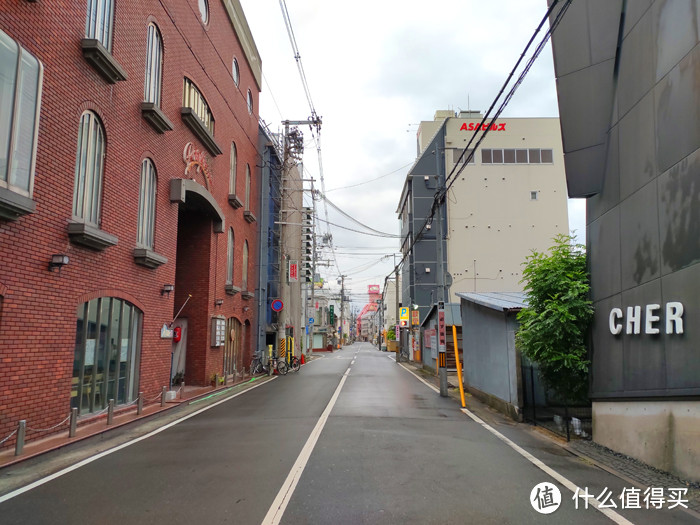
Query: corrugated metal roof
[504,301]
[453,315]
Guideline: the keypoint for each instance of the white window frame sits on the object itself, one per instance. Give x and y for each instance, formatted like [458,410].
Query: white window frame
[229,256]
[193,98]
[147,205]
[89,167]
[250,102]
[244,270]
[18,120]
[154,66]
[233,166]
[235,72]
[99,20]
[203,11]
[247,187]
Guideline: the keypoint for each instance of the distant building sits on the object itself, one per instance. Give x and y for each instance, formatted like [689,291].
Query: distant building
[509,200]
[128,198]
[629,101]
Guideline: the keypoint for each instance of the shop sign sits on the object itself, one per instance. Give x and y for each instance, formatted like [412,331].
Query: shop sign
[196,160]
[472,126]
[293,271]
[633,319]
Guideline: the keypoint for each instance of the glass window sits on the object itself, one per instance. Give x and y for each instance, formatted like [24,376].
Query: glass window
[20,94]
[229,257]
[534,155]
[486,156]
[457,152]
[204,10]
[244,276]
[88,169]
[106,354]
[547,157]
[509,156]
[232,170]
[250,102]
[497,156]
[147,205]
[99,21]
[533,195]
[235,71]
[193,99]
[154,66]
[521,156]
[247,187]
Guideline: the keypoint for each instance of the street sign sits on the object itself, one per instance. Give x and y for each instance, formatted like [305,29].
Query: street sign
[415,317]
[442,338]
[311,320]
[403,313]
[277,305]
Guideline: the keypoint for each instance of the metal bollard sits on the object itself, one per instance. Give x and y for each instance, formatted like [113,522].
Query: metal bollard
[225,379]
[110,412]
[216,380]
[162,397]
[182,389]
[21,431]
[73,422]
[139,405]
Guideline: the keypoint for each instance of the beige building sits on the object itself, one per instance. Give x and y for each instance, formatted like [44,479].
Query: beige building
[510,199]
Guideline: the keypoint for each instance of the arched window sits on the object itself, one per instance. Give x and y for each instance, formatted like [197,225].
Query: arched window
[232,170]
[154,66]
[106,354]
[247,187]
[229,257]
[204,10]
[250,102]
[88,169]
[235,71]
[100,14]
[244,277]
[147,205]
[192,98]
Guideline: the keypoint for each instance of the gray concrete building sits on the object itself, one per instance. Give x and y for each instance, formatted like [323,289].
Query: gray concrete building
[629,102]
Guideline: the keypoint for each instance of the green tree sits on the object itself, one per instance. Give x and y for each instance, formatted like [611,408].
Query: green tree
[391,335]
[553,327]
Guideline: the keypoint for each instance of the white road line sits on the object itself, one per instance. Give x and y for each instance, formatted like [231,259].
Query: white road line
[614,516]
[86,461]
[279,505]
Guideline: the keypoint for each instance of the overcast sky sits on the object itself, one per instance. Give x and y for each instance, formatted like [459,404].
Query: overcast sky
[375,69]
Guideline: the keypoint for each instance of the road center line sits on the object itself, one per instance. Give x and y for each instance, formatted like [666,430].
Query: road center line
[279,505]
[86,461]
[614,516]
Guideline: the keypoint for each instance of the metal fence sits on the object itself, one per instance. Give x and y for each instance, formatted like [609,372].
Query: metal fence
[541,408]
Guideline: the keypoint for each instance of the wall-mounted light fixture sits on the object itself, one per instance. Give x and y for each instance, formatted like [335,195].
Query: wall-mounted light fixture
[58,260]
[218,302]
[167,288]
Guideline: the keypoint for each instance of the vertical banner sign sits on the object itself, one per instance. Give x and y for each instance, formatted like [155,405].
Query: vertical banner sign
[293,271]
[415,317]
[331,315]
[442,338]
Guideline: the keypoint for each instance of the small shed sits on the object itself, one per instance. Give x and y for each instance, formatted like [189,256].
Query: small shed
[492,367]
[428,343]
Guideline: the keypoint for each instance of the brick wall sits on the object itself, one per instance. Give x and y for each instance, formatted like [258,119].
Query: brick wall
[38,316]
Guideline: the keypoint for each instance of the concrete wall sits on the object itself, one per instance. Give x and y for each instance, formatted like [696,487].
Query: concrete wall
[661,433]
[493,221]
[640,130]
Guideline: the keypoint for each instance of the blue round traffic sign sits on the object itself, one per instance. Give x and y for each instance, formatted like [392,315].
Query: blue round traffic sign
[277,305]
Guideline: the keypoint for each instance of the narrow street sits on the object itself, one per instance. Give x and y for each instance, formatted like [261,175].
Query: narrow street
[351,438]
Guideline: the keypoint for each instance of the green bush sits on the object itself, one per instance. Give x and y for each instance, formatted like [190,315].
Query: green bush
[553,327]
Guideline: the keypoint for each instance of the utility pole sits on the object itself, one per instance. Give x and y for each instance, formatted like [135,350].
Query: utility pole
[398,335]
[442,351]
[342,299]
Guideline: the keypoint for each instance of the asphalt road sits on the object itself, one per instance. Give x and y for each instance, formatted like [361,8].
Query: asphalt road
[352,438]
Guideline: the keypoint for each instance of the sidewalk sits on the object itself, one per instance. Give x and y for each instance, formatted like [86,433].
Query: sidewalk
[629,469]
[123,417]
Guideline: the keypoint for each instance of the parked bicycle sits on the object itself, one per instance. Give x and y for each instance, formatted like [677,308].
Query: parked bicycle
[257,366]
[295,364]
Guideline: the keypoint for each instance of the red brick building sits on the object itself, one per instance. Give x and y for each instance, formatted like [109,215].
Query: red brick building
[129,160]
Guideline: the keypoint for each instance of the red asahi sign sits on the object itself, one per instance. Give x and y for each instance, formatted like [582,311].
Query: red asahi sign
[473,126]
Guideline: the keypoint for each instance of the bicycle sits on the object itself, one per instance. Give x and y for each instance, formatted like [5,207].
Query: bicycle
[257,366]
[278,363]
[295,364]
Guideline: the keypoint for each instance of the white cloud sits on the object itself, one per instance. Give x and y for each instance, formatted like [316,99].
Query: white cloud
[377,68]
